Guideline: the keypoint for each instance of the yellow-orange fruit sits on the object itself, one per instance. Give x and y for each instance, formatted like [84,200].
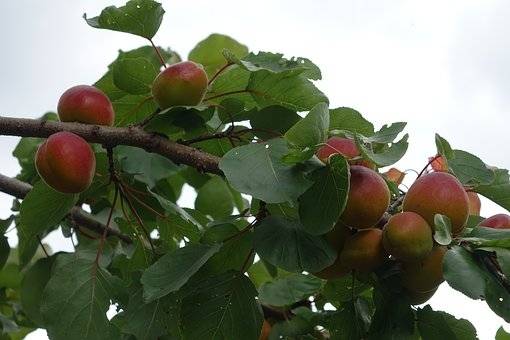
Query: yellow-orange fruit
[474,203]
[498,221]
[425,275]
[418,298]
[438,193]
[407,237]
[336,238]
[368,198]
[363,251]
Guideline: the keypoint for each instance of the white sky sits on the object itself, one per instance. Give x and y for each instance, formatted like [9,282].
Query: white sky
[439,65]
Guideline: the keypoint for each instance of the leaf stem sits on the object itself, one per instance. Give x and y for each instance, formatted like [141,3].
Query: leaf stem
[226,94]
[158,53]
[219,72]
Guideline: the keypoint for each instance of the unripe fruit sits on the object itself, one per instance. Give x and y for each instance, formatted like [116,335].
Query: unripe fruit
[474,203]
[266,329]
[498,221]
[66,162]
[336,238]
[85,104]
[418,298]
[368,199]
[363,251]
[408,237]
[438,193]
[181,84]
[425,275]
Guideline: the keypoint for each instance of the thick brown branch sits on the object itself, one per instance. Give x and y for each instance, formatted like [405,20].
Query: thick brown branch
[77,216]
[112,136]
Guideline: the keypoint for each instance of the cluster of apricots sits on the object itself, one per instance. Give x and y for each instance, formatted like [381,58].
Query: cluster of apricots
[66,162]
[364,240]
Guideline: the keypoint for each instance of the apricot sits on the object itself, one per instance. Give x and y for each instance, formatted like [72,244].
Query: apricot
[85,104]
[438,193]
[418,298]
[425,275]
[368,198]
[336,238]
[66,162]
[264,332]
[363,251]
[181,84]
[407,237]
[498,221]
[338,145]
[474,203]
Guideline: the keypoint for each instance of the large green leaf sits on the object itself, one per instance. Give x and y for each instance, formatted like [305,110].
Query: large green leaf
[215,198]
[76,299]
[289,290]
[283,243]
[273,120]
[221,307]
[134,75]
[470,169]
[323,203]
[339,291]
[32,286]
[40,210]
[440,325]
[174,269]
[502,334]
[311,130]
[257,170]
[499,190]
[388,155]
[139,17]
[463,273]
[387,133]
[347,119]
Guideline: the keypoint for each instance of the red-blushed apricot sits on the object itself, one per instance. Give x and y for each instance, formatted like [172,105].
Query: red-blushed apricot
[85,104]
[336,238]
[266,329]
[395,175]
[363,251]
[438,193]
[181,84]
[438,164]
[498,221]
[66,162]
[407,237]
[425,275]
[338,145]
[368,198]
[418,298]
[474,203]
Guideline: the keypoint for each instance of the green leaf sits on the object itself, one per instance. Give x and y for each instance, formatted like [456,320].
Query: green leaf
[5,249]
[443,147]
[40,210]
[215,198]
[323,203]
[311,130]
[32,286]
[499,190]
[443,229]
[76,299]
[347,119]
[470,169]
[440,325]
[393,319]
[283,243]
[502,334]
[174,269]
[222,307]
[138,17]
[345,323]
[257,170]
[134,75]
[208,52]
[387,133]
[132,108]
[272,121]
[342,290]
[289,290]
[388,156]
[463,273]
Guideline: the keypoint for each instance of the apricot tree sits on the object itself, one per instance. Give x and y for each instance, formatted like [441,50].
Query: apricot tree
[297,231]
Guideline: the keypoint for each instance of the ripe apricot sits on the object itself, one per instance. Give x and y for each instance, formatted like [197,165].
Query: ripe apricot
[363,251]
[474,203]
[345,147]
[85,104]
[407,237]
[425,275]
[66,162]
[438,193]
[498,221]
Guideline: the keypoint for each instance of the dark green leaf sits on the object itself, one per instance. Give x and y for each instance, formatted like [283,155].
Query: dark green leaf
[443,326]
[134,75]
[139,17]
[343,289]
[323,203]
[272,121]
[499,190]
[289,290]
[345,323]
[311,130]
[5,249]
[393,319]
[283,243]
[443,229]
[32,286]
[214,198]
[470,169]
[347,119]
[463,273]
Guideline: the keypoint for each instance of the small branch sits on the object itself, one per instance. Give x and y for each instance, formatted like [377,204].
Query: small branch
[219,72]
[226,94]
[158,53]
[219,135]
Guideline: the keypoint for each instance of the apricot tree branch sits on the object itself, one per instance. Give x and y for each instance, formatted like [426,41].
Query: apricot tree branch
[112,136]
[77,216]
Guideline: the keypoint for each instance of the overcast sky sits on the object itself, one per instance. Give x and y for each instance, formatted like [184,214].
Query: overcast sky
[439,65]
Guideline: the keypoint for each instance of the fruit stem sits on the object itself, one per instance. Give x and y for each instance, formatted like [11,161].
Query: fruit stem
[158,53]
[428,164]
[219,72]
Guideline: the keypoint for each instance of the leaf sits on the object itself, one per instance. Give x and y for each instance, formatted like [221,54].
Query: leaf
[5,249]
[76,299]
[387,133]
[393,319]
[443,147]
[345,323]
[40,210]
[134,75]
[502,334]
[174,269]
[311,130]
[214,198]
[499,190]
[273,120]
[345,118]
[463,273]
[342,290]
[435,325]
[289,290]
[138,17]
[208,52]
[323,203]
[443,229]
[222,307]
[32,286]
[283,243]
[257,170]
[470,169]
[388,156]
